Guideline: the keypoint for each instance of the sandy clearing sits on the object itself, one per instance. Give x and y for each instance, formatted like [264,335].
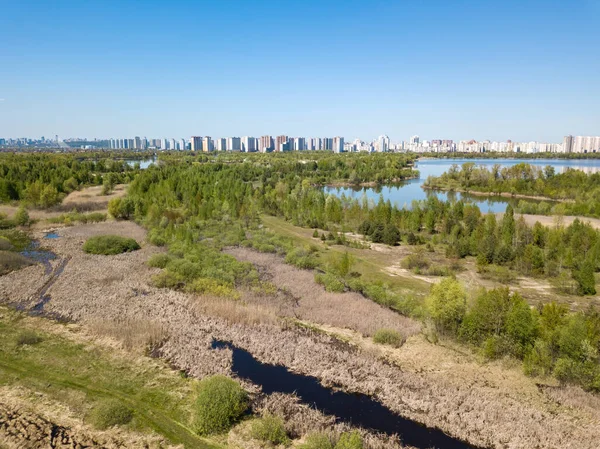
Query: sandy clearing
[89,198]
[552,220]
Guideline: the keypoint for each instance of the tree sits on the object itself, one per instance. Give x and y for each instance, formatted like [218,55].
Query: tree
[446,305]
[344,264]
[584,276]
[22,216]
[391,235]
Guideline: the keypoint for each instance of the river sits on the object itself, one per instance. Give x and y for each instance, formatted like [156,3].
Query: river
[402,195]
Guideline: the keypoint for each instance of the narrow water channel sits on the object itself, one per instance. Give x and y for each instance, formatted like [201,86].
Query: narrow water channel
[353,408]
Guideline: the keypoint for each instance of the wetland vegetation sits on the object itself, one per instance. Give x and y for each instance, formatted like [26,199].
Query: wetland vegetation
[251,249]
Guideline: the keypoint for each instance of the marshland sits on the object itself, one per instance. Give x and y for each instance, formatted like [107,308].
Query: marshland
[463,328]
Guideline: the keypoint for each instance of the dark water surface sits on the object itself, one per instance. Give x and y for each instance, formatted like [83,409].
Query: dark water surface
[353,408]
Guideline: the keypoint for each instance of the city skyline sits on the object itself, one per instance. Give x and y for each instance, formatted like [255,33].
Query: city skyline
[337,144]
[484,70]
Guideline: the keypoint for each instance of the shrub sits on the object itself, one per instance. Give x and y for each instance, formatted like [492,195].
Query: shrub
[159,260]
[5,244]
[317,441]
[110,245]
[110,413]
[28,338]
[22,216]
[270,429]
[350,440]
[330,282]
[221,401]
[389,337]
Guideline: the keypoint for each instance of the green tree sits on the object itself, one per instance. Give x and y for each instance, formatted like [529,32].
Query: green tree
[446,305]
[22,216]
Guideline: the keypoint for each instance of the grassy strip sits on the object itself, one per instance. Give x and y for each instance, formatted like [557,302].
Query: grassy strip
[65,371]
[371,264]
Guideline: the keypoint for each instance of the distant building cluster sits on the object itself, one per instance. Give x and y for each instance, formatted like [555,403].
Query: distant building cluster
[571,144]
[283,143]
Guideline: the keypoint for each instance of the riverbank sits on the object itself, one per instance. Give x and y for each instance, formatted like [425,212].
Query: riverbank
[496,194]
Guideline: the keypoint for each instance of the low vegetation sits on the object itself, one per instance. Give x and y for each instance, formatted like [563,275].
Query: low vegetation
[109,245]
[389,337]
[219,404]
[270,429]
[110,413]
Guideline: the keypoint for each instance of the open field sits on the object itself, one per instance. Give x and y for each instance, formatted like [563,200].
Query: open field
[492,404]
[383,263]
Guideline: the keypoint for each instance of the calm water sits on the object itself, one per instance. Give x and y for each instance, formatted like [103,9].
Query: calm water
[144,163]
[354,408]
[411,190]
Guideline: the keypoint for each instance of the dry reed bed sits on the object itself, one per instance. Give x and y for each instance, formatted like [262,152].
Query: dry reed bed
[475,407]
[311,302]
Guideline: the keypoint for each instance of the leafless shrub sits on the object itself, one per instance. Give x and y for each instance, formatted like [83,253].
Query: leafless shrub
[134,334]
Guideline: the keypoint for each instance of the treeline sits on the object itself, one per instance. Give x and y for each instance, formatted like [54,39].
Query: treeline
[569,255]
[548,339]
[43,180]
[578,192]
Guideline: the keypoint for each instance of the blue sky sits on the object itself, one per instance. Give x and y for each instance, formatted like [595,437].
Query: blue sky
[457,69]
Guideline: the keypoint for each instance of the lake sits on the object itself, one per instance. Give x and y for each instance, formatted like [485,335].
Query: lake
[402,195]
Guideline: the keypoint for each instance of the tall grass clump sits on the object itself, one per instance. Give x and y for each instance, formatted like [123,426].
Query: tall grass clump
[270,429]
[317,440]
[110,413]
[110,245]
[221,401]
[389,337]
[10,261]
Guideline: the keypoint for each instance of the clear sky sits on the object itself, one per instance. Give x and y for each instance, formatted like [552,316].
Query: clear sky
[456,69]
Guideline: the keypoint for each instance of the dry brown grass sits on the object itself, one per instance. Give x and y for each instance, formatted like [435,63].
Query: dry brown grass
[301,420]
[232,311]
[134,334]
[487,404]
[299,296]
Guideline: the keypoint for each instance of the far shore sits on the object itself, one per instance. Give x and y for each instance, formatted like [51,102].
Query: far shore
[501,194]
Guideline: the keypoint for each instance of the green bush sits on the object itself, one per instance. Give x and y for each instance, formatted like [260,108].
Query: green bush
[389,337]
[110,413]
[270,429]
[110,245]
[330,282]
[159,260]
[5,244]
[28,338]
[22,216]
[221,402]
[350,440]
[317,441]
[18,239]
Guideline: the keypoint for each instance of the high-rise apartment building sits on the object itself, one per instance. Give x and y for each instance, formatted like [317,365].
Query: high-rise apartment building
[207,144]
[196,143]
[299,144]
[338,144]
[266,144]
[234,144]
[279,142]
[249,144]
[221,144]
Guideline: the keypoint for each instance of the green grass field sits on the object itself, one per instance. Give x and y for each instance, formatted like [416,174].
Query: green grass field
[82,375]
